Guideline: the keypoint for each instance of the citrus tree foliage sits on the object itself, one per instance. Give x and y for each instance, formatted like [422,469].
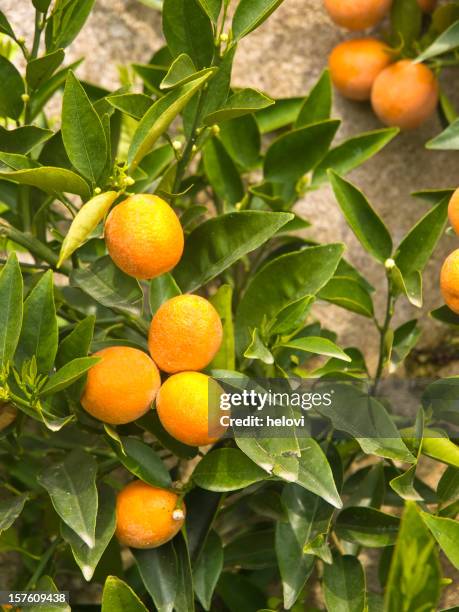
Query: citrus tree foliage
[261,517]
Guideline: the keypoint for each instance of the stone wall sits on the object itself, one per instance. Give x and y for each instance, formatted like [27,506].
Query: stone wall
[284,58]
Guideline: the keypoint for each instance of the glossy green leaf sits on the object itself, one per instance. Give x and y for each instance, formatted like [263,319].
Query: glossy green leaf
[295,153]
[349,294]
[409,284]
[250,14]
[227,469]
[46,584]
[222,173]
[445,315]
[162,288]
[405,339]
[5,26]
[448,140]
[39,329]
[12,89]
[212,8]
[142,461]
[159,117]
[251,551]
[82,131]
[406,22]
[415,574]
[49,88]
[50,180]
[11,287]
[184,600]
[119,597]
[66,23]
[282,113]
[416,248]
[367,527]
[344,585]
[298,274]
[317,104]
[362,218]
[181,71]
[41,69]
[258,350]
[292,317]
[446,532]
[219,86]
[208,569]
[133,104]
[10,509]
[448,486]
[440,448]
[68,374]
[447,41]
[241,138]
[72,488]
[352,153]
[88,558]
[243,102]
[77,343]
[240,594]
[188,29]
[222,301]
[317,346]
[22,139]
[106,284]
[219,242]
[158,569]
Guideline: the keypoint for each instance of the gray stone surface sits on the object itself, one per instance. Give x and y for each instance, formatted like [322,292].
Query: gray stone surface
[284,57]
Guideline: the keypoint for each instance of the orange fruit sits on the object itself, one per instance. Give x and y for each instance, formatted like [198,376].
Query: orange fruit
[427,6]
[355,64]
[122,386]
[146,516]
[357,14]
[449,281]
[144,236]
[405,94]
[185,334]
[188,408]
[453,211]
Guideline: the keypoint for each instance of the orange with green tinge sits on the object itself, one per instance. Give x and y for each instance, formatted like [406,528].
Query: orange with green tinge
[357,14]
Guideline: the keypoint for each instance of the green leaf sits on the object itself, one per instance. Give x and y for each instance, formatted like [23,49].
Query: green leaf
[222,173]
[181,71]
[241,138]
[142,461]
[184,600]
[49,88]
[361,218]
[442,449]
[66,22]
[39,329]
[258,350]
[82,131]
[227,469]
[12,89]
[367,526]
[50,180]
[292,317]
[298,274]
[448,486]
[317,346]
[222,301]
[409,284]
[23,139]
[448,140]
[250,14]
[344,585]
[282,113]
[212,8]
[5,27]
[251,551]
[352,153]
[119,597]
[404,486]
[162,288]
[416,248]
[11,287]
[239,593]
[317,105]
[47,585]
[88,558]
[406,22]
[349,294]
[295,153]
[188,29]
[133,104]
[158,569]
[77,343]
[159,117]
[10,509]
[208,569]
[219,242]
[445,315]
[68,374]
[446,532]
[405,339]
[243,102]
[72,488]
[40,70]
[447,41]
[151,423]
[106,284]
[415,573]
[219,87]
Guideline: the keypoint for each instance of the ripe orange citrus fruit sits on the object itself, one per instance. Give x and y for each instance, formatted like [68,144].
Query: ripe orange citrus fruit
[185,334]
[144,236]
[449,281]
[146,516]
[405,94]
[355,64]
[122,386]
[189,409]
[453,211]
[357,14]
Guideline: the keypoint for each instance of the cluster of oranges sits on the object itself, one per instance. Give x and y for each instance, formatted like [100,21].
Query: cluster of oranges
[145,239]
[449,277]
[403,93]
